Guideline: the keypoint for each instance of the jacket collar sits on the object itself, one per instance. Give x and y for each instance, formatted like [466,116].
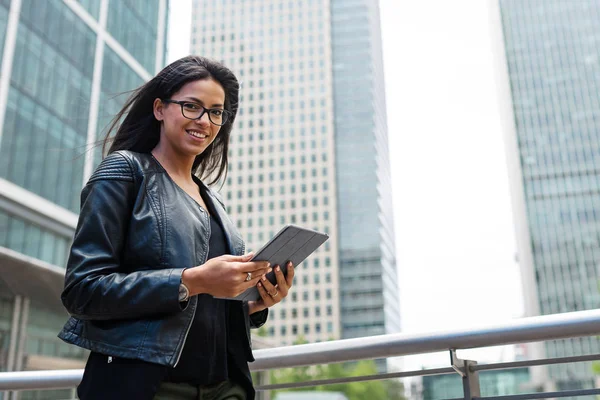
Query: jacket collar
[216,207]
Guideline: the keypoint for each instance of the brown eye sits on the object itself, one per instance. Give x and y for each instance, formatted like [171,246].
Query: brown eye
[191,106]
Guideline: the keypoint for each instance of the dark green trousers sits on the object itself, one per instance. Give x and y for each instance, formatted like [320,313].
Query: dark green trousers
[227,390]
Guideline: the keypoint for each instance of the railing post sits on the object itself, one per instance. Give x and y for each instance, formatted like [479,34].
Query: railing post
[12,343]
[263,379]
[470,378]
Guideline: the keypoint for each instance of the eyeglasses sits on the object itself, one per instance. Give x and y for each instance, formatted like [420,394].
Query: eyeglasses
[195,111]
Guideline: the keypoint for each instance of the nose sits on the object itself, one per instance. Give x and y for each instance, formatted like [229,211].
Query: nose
[203,120]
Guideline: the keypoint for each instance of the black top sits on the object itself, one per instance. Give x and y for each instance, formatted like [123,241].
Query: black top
[204,357]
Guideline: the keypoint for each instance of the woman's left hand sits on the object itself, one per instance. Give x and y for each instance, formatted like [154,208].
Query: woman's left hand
[272,294]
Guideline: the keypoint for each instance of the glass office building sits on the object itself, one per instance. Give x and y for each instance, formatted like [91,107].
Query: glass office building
[552,52]
[63,66]
[368,280]
[492,383]
[310,148]
[282,164]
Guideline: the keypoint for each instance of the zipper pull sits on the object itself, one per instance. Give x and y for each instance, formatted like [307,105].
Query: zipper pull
[109,359]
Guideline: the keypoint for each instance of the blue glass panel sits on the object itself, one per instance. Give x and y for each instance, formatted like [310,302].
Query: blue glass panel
[552,49]
[32,240]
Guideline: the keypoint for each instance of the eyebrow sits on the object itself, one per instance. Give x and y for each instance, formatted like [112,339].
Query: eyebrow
[201,102]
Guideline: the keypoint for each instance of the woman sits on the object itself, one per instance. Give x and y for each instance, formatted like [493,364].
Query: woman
[155,255]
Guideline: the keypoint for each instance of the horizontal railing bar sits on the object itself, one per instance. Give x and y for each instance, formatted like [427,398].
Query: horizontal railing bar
[33,380]
[531,329]
[350,379]
[531,363]
[544,395]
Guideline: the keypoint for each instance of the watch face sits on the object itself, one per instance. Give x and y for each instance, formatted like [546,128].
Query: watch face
[183,292]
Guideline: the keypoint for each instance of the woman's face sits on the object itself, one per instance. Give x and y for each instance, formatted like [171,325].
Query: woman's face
[184,136]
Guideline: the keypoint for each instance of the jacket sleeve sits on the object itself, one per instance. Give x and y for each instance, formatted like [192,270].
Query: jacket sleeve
[97,285]
[257,319]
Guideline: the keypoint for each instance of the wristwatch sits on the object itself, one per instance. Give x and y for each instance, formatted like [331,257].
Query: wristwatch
[184,293]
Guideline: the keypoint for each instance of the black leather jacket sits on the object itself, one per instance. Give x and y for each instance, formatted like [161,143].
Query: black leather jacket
[137,231]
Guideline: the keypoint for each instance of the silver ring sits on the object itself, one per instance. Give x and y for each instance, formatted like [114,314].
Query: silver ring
[249,276]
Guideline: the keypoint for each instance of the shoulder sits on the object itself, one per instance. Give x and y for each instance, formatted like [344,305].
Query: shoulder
[121,165]
[115,166]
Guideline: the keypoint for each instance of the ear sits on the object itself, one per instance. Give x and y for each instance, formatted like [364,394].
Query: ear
[158,109]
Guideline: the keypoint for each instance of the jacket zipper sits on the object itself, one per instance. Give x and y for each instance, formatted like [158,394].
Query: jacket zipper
[186,335]
[187,331]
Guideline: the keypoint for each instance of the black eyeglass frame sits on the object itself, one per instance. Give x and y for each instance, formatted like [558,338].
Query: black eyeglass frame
[226,114]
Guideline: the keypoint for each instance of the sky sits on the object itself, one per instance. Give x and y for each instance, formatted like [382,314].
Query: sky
[455,240]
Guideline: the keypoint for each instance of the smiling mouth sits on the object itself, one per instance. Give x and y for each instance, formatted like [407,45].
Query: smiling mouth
[197,134]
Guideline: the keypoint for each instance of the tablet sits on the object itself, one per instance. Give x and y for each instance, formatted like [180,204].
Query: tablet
[292,243]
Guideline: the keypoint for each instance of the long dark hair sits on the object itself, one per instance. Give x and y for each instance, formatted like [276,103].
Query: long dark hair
[139,131]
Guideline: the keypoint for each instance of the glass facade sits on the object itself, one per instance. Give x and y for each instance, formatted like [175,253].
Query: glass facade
[118,79]
[43,143]
[48,103]
[92,7]
[4,7]
[492,383]
[42,327]
[552,49]
[134,24]
[368,279]
[6,315]
[31,240]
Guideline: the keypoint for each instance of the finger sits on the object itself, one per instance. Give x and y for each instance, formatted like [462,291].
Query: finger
[254,274]
[290,274]
[252,282]
[269,287]
[232,258]
[281,283]
[252,266]
[264,295]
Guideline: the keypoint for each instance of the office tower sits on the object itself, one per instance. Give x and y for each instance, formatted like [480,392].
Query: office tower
[62,64]
[550,78]
[309,148]
[368,282]
[282,169]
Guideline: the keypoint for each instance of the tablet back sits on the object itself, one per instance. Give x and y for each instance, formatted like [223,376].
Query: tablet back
[292,243]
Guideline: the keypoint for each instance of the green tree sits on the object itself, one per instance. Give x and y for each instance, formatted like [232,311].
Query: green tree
[367,390]
[262,332]
[596,364]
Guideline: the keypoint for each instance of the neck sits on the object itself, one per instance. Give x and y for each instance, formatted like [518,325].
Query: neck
[176,164]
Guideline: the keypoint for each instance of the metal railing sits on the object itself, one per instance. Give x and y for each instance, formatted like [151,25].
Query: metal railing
[532,329]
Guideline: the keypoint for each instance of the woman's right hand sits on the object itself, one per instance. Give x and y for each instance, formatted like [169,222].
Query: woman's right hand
[224,276]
